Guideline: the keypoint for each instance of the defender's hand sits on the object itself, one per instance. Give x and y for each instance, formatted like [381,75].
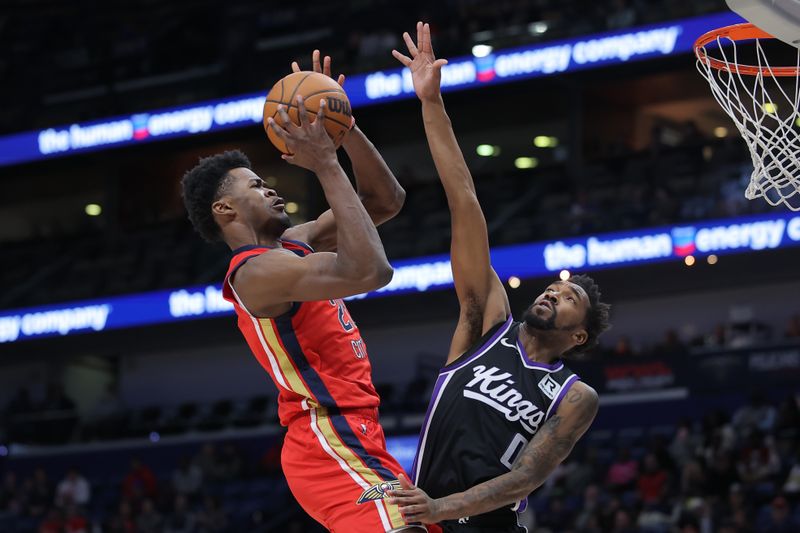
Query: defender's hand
[426,70]
[324,68]
[415,505]
[309,144]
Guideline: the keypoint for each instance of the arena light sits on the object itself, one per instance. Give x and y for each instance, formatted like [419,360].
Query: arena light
[544,141]
[689,260]
[564,275]
[154,437]
[720,132]
[487,150]
[291,207]
[93,210]
[526,162]
[712,259]
[770,108]
[537,28]
[514,282]
[3,450]
[481,50]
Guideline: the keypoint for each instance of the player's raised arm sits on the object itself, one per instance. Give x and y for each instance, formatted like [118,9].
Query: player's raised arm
[377,187]
[481,295]
[548,448]
[360,265]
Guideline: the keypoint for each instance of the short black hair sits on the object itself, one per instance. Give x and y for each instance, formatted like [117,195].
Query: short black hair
[203,185]
[597,316]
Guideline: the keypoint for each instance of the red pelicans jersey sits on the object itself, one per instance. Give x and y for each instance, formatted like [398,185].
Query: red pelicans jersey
[313,353]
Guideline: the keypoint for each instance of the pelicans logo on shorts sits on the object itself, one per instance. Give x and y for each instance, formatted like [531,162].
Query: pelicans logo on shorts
[378,492]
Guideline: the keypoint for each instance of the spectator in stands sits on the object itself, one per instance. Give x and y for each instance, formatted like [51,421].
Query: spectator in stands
[758,461]
[623,347]
[778,518]
[75,522]
[623,471]
[123,521]
[39,493]
[792,485]
[73,489]
[671,345]
[230,462]
[793,328]
[270,462]
[9,490]
[212,518]
[139,483]
[590,506]
[557,517]
[581,471]
[693,479]
[684,444]
[623,523]
[722,473]
[208,463]
[653,481]
[717,338]
[149,520]
[182,519]
[757,415]
[52,522]
[187,478]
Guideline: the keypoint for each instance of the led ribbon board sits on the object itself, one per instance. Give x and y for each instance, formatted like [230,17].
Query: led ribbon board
[556,57]
[422,274]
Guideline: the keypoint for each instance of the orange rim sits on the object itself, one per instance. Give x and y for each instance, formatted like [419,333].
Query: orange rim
[738,32]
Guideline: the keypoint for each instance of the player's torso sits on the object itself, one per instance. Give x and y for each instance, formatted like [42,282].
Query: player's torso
[314,352]
[485,407]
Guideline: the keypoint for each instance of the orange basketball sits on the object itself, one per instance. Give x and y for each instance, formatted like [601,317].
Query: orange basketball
[313,87]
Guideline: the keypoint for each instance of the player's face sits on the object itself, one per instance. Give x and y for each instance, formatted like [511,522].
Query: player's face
[562,306]
[257,204]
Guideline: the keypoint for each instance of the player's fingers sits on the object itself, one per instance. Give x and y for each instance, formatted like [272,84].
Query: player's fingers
[315,61]
[425,45]
[277,129]
[404,482]
[439,63]
[340,81]
[326,66]
[284,116]
[419,35]
[405,60]
[295,66]
[412,48]
[301,112]
[323,106]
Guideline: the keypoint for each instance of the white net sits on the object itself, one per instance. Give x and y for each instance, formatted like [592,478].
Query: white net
[764,105]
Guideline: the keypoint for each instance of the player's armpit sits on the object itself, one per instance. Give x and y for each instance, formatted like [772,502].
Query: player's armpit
[549,447]
[273,279]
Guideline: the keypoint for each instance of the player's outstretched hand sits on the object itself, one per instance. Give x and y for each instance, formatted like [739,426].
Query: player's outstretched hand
[426,70]
[414,504]
[309,144]
[324,67]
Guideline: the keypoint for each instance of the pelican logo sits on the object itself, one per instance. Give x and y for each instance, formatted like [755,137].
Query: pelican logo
[378,492]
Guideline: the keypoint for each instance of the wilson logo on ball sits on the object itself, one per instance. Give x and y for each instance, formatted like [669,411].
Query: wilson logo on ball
[335,105]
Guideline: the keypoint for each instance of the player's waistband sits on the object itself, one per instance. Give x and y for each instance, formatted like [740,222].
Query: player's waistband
[370,413]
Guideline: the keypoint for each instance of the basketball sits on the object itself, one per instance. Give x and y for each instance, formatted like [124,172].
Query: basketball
[313,87]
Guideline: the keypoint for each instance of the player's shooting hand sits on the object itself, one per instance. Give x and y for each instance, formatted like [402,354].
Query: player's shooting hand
[309,144]
[324,67]
[426,70]
[414,504]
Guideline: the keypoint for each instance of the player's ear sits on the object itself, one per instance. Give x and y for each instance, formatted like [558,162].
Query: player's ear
[222,207]
[580,337]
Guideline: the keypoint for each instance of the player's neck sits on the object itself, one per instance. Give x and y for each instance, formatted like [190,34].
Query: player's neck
[240,235]
[541,346]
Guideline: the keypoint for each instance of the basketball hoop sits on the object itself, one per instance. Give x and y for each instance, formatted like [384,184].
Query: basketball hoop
[766,113]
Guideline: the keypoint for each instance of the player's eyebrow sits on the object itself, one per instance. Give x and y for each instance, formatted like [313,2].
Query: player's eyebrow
[571,289]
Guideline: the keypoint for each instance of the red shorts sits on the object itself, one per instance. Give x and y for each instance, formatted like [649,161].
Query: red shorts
[338,469]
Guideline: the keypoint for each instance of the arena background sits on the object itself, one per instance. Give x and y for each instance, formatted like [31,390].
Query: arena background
[596,147]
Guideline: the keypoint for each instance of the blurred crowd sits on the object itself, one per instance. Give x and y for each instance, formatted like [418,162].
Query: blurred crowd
[728,473]
[79,61]
[731,471]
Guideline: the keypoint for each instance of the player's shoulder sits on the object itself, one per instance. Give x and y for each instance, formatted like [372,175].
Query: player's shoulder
[581,402]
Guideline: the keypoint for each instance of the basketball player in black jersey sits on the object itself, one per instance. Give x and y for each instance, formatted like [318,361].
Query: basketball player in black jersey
[505,410]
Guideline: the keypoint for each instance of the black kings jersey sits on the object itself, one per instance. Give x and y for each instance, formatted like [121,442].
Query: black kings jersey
[485,408]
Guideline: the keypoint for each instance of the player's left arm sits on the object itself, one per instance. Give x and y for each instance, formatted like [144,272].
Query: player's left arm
[548,448]
[377,187]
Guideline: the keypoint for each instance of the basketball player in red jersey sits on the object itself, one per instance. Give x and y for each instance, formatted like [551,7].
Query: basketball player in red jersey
[497,414]
[286,285]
